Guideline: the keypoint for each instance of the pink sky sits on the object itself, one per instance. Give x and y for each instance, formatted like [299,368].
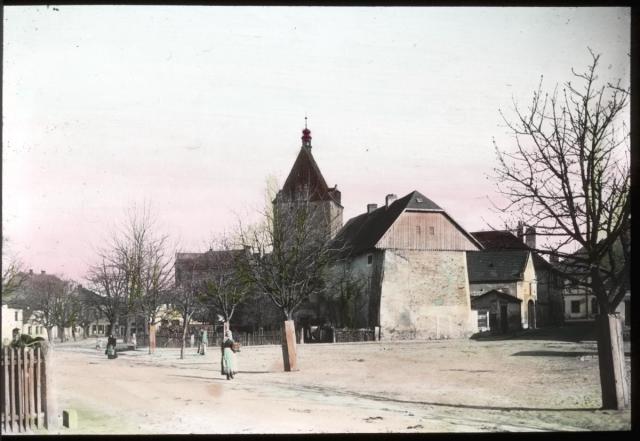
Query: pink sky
[191,109]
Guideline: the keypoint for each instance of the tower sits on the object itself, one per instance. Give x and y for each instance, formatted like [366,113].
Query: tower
[305,185]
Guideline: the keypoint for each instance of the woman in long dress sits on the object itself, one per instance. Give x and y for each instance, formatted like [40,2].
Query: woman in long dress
[228,363]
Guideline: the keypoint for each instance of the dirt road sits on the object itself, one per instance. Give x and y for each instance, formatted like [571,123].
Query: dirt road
[435,386]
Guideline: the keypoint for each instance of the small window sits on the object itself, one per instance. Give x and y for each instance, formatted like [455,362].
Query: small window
[16,314]
[575,306]
[418,230]
[483,318]
[30,329]
[419,200]
[369,259]
[432,231]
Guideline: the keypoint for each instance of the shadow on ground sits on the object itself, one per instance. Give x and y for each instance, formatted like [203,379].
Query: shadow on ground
[575,333]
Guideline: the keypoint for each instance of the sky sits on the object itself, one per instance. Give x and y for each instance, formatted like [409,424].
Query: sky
[191,110]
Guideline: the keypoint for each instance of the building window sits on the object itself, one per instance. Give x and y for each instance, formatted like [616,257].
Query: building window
[94,329]
[575,306]
[432,231]
[16,316]
[369,259]
[483,319]
[30,329]
[100,329]
[418,230]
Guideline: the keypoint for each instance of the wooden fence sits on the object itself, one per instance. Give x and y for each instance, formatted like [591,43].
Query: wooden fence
[24,390]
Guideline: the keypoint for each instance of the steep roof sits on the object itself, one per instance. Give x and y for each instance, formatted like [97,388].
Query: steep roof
[495,293]
[496,266]
[362,233]
[305,173]
[506,240]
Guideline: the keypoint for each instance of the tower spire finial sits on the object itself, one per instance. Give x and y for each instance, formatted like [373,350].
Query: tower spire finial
[306,135]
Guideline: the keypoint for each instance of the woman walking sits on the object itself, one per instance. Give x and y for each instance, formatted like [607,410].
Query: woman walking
[228,362]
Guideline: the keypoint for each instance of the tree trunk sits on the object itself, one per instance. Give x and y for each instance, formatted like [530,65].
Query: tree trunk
[61,332]
[613,375]
[289,346]
[184,339]
[152,338]
[50,333]
[127,326]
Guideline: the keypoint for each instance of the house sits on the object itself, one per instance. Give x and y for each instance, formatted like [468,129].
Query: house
[409,257]
[254,313]
[511,272]
[549,304]
[497,311]
[580,304]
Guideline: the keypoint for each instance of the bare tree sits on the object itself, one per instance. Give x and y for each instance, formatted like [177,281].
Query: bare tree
[135,271]
[222,287]
[288,258]
[67,307]
[155,279]
[109,282]
[43,297]
[568,177]
[185,299]
[13,274]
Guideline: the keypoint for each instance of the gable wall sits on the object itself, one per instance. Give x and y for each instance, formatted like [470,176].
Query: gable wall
[424,295]
[411,232]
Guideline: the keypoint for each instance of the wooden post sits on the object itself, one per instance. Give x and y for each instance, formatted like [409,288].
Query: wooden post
[615,391]
[32,390]
[38,377]
[47,403]
[289,355]
[5,389]
[152,338]
[20,404]
[12,389]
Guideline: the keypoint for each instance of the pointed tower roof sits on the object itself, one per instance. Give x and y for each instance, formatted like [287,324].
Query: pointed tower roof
[305,174]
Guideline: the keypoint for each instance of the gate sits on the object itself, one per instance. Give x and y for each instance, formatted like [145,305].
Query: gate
[24,390]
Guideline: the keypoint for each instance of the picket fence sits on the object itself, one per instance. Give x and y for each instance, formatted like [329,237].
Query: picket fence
[24,390]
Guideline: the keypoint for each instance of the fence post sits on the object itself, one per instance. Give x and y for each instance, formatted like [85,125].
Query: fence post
[38,378]
[5,388]
[46,383]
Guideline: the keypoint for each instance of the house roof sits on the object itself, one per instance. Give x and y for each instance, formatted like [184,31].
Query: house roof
[495,293]
[305,173]
[506,240]
[210,260]
[362,233]
[496,266]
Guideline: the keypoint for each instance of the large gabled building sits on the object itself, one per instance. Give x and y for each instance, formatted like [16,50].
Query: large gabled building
[410,257]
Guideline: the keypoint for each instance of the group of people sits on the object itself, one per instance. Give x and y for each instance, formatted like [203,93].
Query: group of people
[228,363]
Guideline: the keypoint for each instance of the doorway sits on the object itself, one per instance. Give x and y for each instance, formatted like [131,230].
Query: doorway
[504,319]
[531,315]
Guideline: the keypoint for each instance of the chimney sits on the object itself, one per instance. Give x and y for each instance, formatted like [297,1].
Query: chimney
[371,207]
[530,237]
[554,258]
[43,272]
[390,199]
[520,231]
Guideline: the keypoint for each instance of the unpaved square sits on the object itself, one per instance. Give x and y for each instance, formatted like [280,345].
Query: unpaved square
[430,386]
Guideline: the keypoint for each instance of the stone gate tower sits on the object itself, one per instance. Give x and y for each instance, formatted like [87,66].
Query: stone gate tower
[306,185]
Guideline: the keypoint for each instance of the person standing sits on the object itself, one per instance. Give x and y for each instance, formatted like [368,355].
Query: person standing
[204,341]
[228,361]
[111,347]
